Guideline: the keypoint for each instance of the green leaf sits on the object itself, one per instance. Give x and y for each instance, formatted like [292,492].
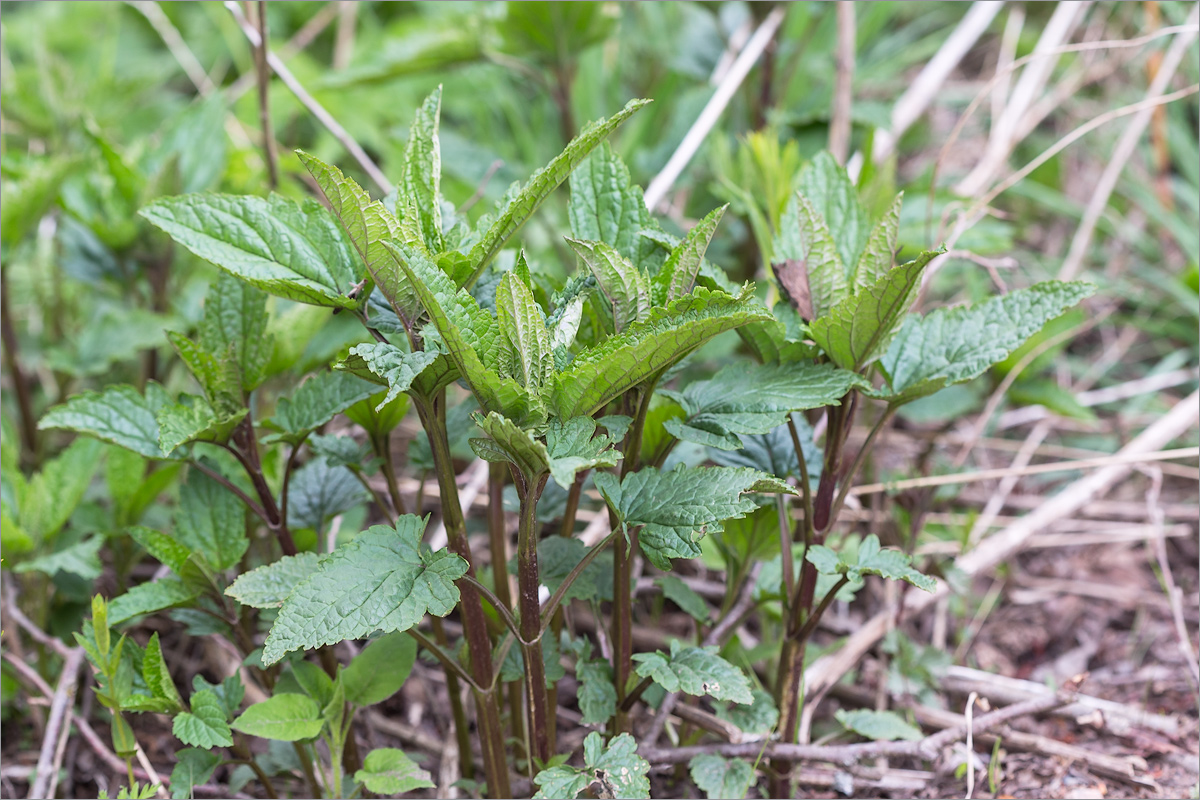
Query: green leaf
[192,768]
[282,718]
[684,596]
[624,285]
[168,551]
[156,674]
[269,585]
[81,559]
[509,442]
[675,509]
[859,328]
[597,697]
[313,681]
[607,207]
[471,337]
[320,491]
[746,398]
[678,273]
[720,778]
[380,669]
[523,326]
[886,726]
[826,185]
[520,207]
[147,598]
[818,255]
[757,719]
[696,671]
[876,259]
[211,520]
[871,560]
[204,726]
[953,345]
[180,424]
[217,375]
[235,325]
[558,555]
[647,348]
[387,364]
[378,581]
[419,182]
[297,252]
[48,499]
[118,415]
[368,225]
[318,400]
[389,771]
[572,446]
[617,768]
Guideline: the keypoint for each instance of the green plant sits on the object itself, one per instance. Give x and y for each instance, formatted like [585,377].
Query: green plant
[569,380]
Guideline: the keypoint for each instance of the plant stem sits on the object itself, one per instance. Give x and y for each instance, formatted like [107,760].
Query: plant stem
[246,451]
[567,528]
[432,412]
[383,448]
[633,696]
[805,485]
[497,534]
[810,624]
[864,451]
[451,665]
[264,110]
[528,581]
[462,729]
[221,479]
[29,432]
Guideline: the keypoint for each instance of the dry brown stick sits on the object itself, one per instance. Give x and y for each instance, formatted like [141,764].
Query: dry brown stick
[843,87]
[263,74]
[1004,544]
[301,40]
[58,726]
[12,611]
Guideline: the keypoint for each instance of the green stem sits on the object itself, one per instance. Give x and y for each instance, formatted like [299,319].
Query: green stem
[557,597]
[306,765]
[497,535]
[451,665]
[528,581]
[495,603]
[383,448]
[860,459]
[462,730]
[810,624]
[632,697]
[805,485]
[567,528]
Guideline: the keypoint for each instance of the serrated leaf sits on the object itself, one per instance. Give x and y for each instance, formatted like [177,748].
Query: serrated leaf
[523,326]
[168,551]
[146,598]
[625,286]
[617,767]
[368,225]
[217,374]
[953,345]
[677,275]
[870,560]
[211,520]
[647,348]
[235,325]
[377,581]
[858,329]
[745,398]
[758,718]
[676,509]
[342,451]
[877,256]
[420,179]
[282,718]
[720,778]
[380,669]
[318,400]
[884,726]
[192,768]
[520,207]
[229,691]
[204,726]
[81,559]
[696,671]
[558,555]
[818,255]
[295,251]
[388,771]
[118,415]
[606,206]
[180,424]
[833,196]
[156,674]
[320,491]
[471,338]
[684,596]
[387,364]
[512,444]
[572,446]
[269,585]
[597,697]
[46,501]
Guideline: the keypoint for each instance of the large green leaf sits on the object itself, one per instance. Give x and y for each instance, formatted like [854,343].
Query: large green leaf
[676,508]
[471,338]
[597,697]
[283,718]
[952,345]
[511,443]
[388,771]
[378,581]
[235,325]
[625,286]
[380,670]
[147,598]
[647,348]
[745,398]
[192,768]
[298,252]
[520,207]
[118,415]
[696,671]
[269,585]
[573,446]
[419,182]
[211,521]
[617,768]
[720,778]
[607,207]
[81,559]
[318,400]
[678,273]
[368,225]
[46,501]
[859,328]
[157,676]
[825,184]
